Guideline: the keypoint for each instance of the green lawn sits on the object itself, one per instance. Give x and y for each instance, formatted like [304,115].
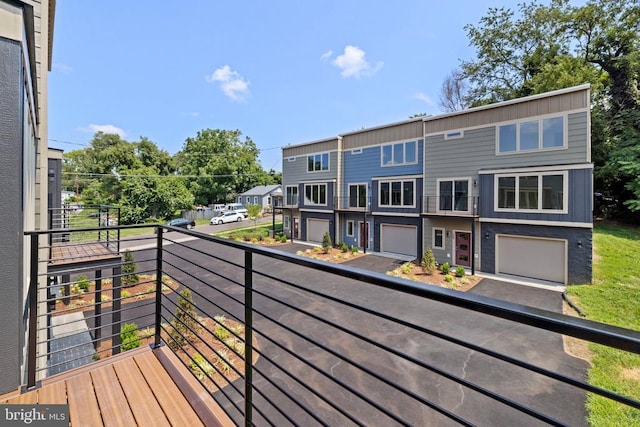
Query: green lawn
[613,298]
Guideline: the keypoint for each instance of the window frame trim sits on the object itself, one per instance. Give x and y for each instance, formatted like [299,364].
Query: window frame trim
[540,119]
[326,194]
[433,238]
[366,197]
[328,169]
[404,155]
[539,175]
[297,195]
[453,180]
[346,231]
[401,181]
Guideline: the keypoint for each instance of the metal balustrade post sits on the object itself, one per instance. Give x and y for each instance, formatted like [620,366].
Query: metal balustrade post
[157,341]
[248,338]
[116,310]
[33,314]
[98,307]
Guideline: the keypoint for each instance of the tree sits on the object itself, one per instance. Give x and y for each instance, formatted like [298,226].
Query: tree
[253,211]
[454,92]
[185,326]
[428,262]
[326,242]
[129,270]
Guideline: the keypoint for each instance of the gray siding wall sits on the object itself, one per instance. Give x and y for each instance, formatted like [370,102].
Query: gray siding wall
[476,151]
[579,256]
[448,253]
[580,199]
[11,215]
[377,220]
[296,172]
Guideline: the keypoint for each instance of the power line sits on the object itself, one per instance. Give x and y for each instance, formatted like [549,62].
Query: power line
[86,144]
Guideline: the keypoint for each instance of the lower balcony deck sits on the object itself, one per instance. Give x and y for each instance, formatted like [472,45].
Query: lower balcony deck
[139,387]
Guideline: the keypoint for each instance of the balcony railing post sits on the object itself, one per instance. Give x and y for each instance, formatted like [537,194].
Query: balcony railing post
[248,338]
[116,312]
[156,341]
[33,314]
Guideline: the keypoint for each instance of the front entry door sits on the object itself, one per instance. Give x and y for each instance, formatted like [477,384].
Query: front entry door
[463,248]
[363,237]
[296,227]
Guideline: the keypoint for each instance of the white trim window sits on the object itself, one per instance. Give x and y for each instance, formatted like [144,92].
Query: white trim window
[285,223]
[532,135]
[239,199]
[357,195]
[315,194]
[248,199]
[350,231]
[397,194]
[437,238]
[457,134]
[291,195]
[532,192]
[454,194]
[268,200]
[399,153]
[291,159]
[318,162]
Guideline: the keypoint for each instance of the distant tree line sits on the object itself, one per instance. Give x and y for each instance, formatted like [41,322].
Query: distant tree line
[149,183]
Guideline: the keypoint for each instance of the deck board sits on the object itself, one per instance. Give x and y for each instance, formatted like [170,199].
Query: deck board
[83,405]
[112,401]
[54,393]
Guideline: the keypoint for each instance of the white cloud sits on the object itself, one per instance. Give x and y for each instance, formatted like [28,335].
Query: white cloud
[231,82]
[104,129]
[424,98]
[63,68]
[354,64]
[326,55]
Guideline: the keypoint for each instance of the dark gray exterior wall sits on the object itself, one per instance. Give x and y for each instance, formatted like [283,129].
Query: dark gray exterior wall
[377,220]
[580,243]
[54,188]
[11,213]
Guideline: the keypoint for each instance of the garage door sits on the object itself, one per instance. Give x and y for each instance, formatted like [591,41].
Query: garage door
[399,239]
[543,259]
[316,229]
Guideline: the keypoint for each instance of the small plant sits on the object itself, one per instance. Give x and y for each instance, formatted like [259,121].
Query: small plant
[129,270]
[326,242]
[344,247]
[95,356]
[445,268]
[185,326]
[460,272]
[125,294]
[129,336]
[105,298]
[448,278]
[224,362]
[317,249]
[221,332]
[406,268]
[428,262]
[76,290]
[283,239]
[354,249]
[83,283]
[201,367]
[299,253]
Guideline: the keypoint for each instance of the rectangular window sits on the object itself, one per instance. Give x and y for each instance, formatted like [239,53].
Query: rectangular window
[292,196]
[239,199]
[397,194]
[543,191]
[318,162]
[315,194]
[285,223]
[269,201]
[255,200]
[350,228]
[248,199]
[437,238]
[531,135]
[291,159]
[453,195]
[358,196]
[356,151]
[454,135]
[401,153]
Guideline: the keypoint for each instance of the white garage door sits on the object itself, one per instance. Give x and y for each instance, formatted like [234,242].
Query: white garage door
[316,229]
[399,239]
[543,259]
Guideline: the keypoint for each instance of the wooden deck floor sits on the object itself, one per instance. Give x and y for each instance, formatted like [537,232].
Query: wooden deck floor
[141,387]
[71,253]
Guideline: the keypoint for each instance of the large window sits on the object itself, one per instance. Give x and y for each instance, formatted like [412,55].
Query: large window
[453,195]
[292,196]
[318,162]
[532,192]
[358,196]
[397,193]
[315,194]
[401,153]
[531,135]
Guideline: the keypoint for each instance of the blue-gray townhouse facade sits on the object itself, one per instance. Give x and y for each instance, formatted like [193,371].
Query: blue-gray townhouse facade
[503,189]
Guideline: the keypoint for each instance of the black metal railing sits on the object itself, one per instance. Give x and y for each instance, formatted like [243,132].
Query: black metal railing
[100,219]
[281,339]
[450,205]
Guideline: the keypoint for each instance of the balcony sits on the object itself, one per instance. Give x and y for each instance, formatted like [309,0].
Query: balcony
[450,206]
[265,337]
[353,204]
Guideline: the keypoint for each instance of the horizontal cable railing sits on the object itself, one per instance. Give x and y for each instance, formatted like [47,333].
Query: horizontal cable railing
[450,205]
[280,339]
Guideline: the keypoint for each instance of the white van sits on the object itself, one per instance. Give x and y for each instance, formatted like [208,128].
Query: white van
[237,207]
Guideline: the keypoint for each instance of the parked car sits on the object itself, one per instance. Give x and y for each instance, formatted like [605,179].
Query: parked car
[232,216]
[182,223]
[237,207]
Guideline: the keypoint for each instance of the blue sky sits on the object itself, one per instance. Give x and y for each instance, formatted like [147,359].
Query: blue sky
[282,72]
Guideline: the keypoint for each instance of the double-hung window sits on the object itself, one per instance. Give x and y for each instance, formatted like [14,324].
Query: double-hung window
[315,194]
[397,193]
[453,195]
[437,238]
[531,135]
[292,196]
[532,192]
[358,195]
[318,162]
[400,153]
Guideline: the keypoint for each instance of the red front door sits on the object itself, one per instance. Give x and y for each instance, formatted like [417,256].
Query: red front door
[296,226]
[463,249]
[364,235]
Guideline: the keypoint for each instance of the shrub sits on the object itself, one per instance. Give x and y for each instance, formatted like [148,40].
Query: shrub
[83,283]
[448,278]
[125,294]
[326,242]
[185,326]
[344,247]
[129,269]
[200,366]
[318,249]
[221,332]
[460,272]
[428,262]
[129,337]
[406,268]
[445,268]
[354,249]
[283,239]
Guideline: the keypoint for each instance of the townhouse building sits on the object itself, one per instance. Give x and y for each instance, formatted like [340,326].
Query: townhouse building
[503,188]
